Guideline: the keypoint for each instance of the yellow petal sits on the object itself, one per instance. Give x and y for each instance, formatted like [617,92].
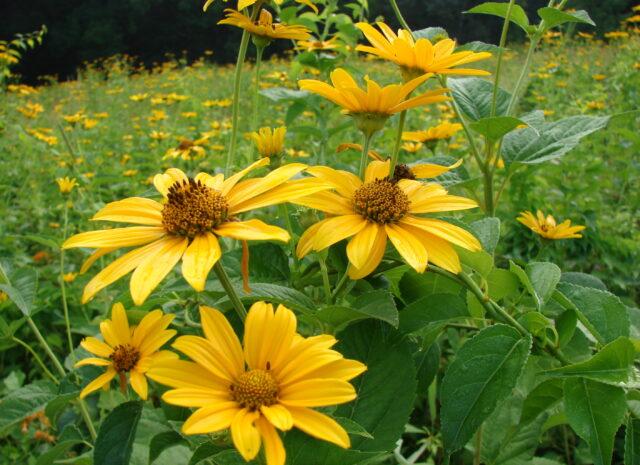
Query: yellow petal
[377,170]
[273,448]
[444,230]
[184,374]
[204,354]
[198,259]
[335,229]
[117,237]
[145,326]
[195,397]
[328,202]
[374,257]
[317,393]
[345,369]
[245,434]
[93,361]
[429,170]
[252,230]
[439,251]
[360,247]
[409,247]
[319,426]
[155,267]
[97,347]
[94,256]
[345,183]
[233,180]
[305,244]
[163,182]
[278,416]
[120,323]
[100,381]
[211,418]
[139,383]
[136,210]
[250,188]
[268,335]
[220,335]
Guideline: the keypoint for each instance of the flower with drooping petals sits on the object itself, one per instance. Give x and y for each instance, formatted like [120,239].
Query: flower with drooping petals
[264,26]
[547,228]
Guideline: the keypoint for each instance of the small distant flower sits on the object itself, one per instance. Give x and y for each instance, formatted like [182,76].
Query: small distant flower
[269,142]
[41,256]
[617,35]
[3,296]
[242,4]
[599,77]
[348,145]
[314,44]
[585,35]
[561,83]
[411,147]
[416,57]
[101,115]
[54,224]
[274,379]
[159,135]
[296,153]
[73,118]
[189,114]
[128,349]
[443,131]
[265,27]
[595,105]
[89,123]
[188,149]
[130,173]
[138,97]
[66,184]
[546,227]
[68,277]
[31,110]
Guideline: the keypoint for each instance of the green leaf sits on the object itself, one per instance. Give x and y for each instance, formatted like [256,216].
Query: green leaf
[495,128]
[595,412]
[22,290]
[205,451]
[163,441]
[600,311]
[72,437]
[273,293]
[552,141]
[612,364]
[485,370]
[502,283]
[47,241]
[427,365]
[518,15]
[541,398]
[282,93]
[525,281]
[432,34]
[544,277]
[474,95]
[25,401]
[487,230]
[537,323]
[553,17]
[378,304]
[414,286]
[352,427]
[477,46]
[632,442]
[583,279]
[56,406]
[117,432]
[479,261]
[432,310]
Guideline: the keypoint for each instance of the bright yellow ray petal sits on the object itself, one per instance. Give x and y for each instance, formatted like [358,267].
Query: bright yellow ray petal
[211,418]
[139,383]
[429,170]
[245,434]
[250,188]
[305,244]
[409,247]
[278,416]
[204,354]
[319,426]
[260,314]
[360,247]
[268,335]
[328,202]
[343,368]
[317,393]
[374,257]
[117,237]
[335,229]
[100,381]
[233,180]
[135,210]
[184,374]
[440,252]
[345,183]
[273,448]
[444,230]
[377,170]
[220,335]
[93,361]
[94,256]
[120,323]
[195,397]
[155,267]
[96,346]
[198,259]
[145,326]
[164,181]
[252,230]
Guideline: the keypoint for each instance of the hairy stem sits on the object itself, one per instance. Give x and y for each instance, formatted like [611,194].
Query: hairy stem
[228,287]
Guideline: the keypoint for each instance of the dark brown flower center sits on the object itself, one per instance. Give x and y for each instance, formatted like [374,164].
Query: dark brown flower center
[193,208]
[185,144]
[381,201]
[402,171]
[124,358]
[255,388]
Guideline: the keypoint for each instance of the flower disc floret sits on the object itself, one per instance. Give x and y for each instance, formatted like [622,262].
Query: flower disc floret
[124,357]
[381,201]
[255,388]
[192,208]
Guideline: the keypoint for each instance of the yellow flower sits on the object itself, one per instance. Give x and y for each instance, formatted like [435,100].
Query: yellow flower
[617,35]
[73,118]
[445,130]
[599,77]
[264,26]
[68,277]
[420,56]
[128,349]
[268,142]
[89,123]
[314,44]
[242,4]
[295,153]
[412,147]
[138,97]
[272,382]
[189,114]
[66,184]
[381,208]
[188,149]
[546,227]
[159,135]
[186,225]
[372,107]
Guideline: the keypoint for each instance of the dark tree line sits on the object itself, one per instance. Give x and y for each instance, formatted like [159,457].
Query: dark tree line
[84,30]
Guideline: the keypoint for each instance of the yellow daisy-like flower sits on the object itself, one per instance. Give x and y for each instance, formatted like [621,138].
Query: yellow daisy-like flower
[546,227]
[372,107]
[188,149]
[186,225]
[420,56]
[445,130]
[272,382]
[242,4]
[269,142]
[411,147]
[265,27]
[128,349]
[66,184]
[378,208]
[314,44]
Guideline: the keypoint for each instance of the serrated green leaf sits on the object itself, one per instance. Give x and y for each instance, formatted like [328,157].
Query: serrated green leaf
[525,281]
[484,371]
[632,442]
[114,443]
[541,398]
[487,230]
[583,279]
[71,437]
[163,441]
[479,261]
[352,427]
[23,289]
[432,310]
[474,95]
[552,141]
[612,364]
[518,15]
[544,278]
[494,128]
[414,286]
[502,283]
[553,17]
[205,451]
[25,401]
[595,411]
[537,324]
[378,304]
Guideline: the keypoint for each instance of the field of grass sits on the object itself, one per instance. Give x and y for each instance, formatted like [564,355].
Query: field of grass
[118,125]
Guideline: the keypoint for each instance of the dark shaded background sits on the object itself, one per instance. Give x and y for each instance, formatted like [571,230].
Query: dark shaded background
[84,30]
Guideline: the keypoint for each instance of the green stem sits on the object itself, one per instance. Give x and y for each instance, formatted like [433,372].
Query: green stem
[284,211]
[478,447]
[503,41]
[46,347]
[325,278]
[228,287]
[396,146]
[365,155]
[256,95]
[398,13]
[84,411]
[488,180]
[37,357]
[65,306]
[235,109]
[341,283]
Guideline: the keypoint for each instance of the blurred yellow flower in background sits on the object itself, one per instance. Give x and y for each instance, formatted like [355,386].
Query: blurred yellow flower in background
[546,227]
[265,27]
[269,142]
[66,184]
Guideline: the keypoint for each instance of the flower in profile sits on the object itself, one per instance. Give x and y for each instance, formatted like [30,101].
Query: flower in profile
[128,349]
[314,44]
[371,108]
[186,225]
[74,118]
[69,277]
[269,142]
[411,147]
[380,208]
[271,383]
[188,149]
[242,4]
[66,184]
[546,227]
[416,57]
[159,135]
[265,27]
[444,130]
